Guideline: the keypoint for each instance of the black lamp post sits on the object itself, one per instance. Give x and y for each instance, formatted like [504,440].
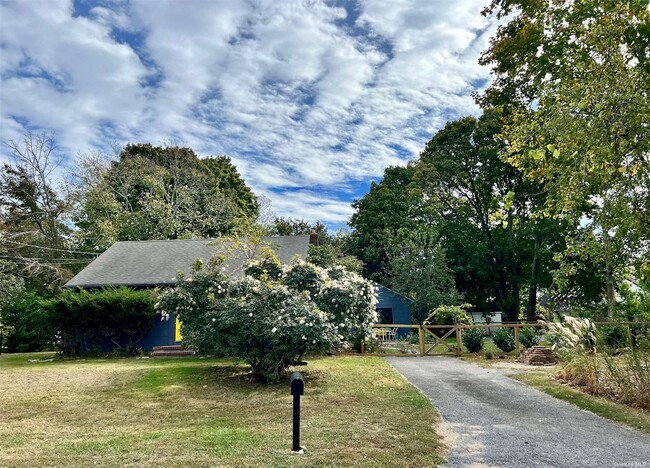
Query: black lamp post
[297,389]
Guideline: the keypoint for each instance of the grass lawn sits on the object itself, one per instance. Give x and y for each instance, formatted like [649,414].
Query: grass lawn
[634,417]
[357,411]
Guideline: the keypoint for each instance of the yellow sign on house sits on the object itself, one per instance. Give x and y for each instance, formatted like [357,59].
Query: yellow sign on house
[177,335]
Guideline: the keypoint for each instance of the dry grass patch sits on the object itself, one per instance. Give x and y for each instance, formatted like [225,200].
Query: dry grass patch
[357,411]
[633,417]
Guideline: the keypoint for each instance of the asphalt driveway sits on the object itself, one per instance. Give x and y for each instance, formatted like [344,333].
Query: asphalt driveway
[495,421]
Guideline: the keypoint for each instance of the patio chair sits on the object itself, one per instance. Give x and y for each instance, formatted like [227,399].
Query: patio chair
[391,333]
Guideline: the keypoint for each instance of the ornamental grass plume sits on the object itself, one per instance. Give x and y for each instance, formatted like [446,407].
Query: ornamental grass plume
[571,333]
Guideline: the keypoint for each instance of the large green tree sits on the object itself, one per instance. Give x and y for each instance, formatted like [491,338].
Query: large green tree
[161,193]
[478,214]
[394,203]
[417,267]
[489,215]
[575,78]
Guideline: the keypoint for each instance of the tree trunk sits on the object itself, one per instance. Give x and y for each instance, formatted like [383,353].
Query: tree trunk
[514,299]
[609,276]
[531,312]
[609,290]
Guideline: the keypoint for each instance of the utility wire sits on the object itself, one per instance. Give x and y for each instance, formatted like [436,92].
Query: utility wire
[47,260]
[51,248]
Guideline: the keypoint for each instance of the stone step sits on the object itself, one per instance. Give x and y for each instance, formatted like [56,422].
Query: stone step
[538,356]
[172,351]
[169,348]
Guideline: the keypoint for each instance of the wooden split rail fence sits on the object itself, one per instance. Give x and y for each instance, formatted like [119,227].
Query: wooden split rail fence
[447,331]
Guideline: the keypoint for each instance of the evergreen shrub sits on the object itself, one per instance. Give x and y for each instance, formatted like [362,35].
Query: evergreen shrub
[473,338]
[83,320]
[504,339]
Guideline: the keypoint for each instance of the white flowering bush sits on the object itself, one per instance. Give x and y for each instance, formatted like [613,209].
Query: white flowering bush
[273,315]
[350,301]
[572,333]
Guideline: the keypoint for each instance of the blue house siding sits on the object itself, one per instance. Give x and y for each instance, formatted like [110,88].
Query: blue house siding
[399,305]
[161,334]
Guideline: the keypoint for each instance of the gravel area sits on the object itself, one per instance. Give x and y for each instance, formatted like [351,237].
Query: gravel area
[494,421]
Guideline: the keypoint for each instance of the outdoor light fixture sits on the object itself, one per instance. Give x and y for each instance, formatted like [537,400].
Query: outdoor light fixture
[297,389]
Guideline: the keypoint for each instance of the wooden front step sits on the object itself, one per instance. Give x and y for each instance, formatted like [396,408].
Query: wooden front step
[172,351]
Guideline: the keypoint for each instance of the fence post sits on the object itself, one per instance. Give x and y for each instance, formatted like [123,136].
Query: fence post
[459,339]
[362,346]
[421,336]
[516,337]
[629,336]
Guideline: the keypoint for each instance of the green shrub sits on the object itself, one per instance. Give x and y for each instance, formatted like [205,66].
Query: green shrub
[613,336]
[26,324]
[473,339]
[488,354]
[83,320]
[268,267]
[504,339]
[529,337]
[449,315]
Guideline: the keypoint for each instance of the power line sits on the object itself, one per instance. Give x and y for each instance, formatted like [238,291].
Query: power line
[51,248]
[45,260]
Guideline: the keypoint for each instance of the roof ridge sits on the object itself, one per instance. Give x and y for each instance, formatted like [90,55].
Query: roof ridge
[163,240]
[199,240]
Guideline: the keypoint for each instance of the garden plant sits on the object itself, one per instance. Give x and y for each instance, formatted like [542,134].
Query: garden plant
[474,339]
[273,315]
[504,339]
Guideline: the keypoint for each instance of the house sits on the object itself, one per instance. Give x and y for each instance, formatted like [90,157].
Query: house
[393,307]
[156,264]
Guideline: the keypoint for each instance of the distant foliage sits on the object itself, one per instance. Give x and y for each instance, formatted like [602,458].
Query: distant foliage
[161,193]
[269,320]
[334,253]
[473,338]
[34,215]
[83,320]
[418,268]
[614,336]
[504,339]
[26,324]
[529,337]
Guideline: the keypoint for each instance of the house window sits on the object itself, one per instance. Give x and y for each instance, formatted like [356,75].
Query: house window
[385,315]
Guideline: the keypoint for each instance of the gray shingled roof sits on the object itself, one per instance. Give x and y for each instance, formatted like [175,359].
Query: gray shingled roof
[156,263]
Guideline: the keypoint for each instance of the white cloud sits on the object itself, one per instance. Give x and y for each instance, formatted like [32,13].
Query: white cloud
[298,95]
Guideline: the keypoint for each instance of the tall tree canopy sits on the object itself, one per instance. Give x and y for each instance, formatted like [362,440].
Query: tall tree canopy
[417,267]
[162,193]
[394,203]
[33,226]
[464,209]
[576,79]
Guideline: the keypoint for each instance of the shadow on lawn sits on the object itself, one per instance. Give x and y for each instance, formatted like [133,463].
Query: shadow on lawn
[235,378]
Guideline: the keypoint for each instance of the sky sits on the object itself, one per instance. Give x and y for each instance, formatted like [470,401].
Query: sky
[311,99]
